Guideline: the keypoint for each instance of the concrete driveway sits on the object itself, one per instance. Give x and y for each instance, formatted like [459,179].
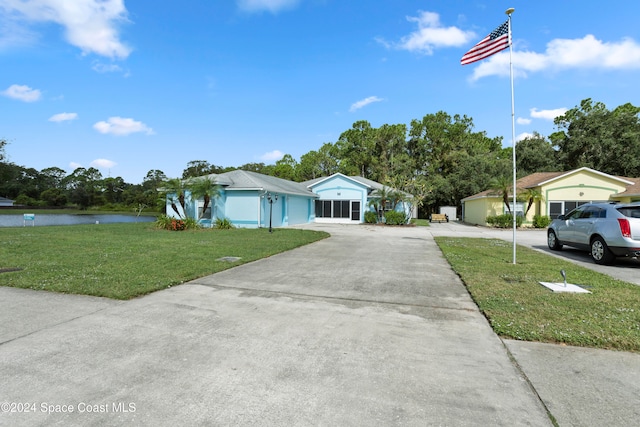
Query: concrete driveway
[368,327]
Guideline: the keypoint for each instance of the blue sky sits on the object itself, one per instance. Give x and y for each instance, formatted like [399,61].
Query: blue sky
[130,86]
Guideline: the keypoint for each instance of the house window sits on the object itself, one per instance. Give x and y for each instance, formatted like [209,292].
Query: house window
[558,208]
[355,210]
[519,209]
[206,214]
[337,209]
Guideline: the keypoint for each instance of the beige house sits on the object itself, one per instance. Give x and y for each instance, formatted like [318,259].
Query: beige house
[560,191]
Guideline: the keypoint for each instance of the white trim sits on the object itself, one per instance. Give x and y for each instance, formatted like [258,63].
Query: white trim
[581,170]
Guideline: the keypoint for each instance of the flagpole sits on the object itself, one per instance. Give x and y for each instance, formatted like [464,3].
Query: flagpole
[513,132]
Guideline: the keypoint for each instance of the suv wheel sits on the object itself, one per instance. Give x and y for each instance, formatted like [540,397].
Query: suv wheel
[553,242]
[600,252]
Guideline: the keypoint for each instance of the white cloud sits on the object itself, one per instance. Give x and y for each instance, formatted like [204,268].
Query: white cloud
[273,6]
[106,68]
[90,25]
[523,121]
[357,105]
[272,156]
[121,126]
[547,114]
[523,135]
[63,117]
[430,35]
[584,53]
[22,93]
[103,163]
[74,165]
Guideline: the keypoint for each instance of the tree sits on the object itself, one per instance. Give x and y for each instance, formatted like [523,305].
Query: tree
[356,147]
[501,186]
[199,168]
[83,185]
[203,187]
[175,188]
[153,180]
[535,154]
[53,177]
[54,197]
[390,142]
[113,189]
[440,147]
[530,196]
[3,143]
[592,136]
[285,168]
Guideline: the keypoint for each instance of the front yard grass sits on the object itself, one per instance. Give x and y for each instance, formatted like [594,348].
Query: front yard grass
[518,307]
[123,261]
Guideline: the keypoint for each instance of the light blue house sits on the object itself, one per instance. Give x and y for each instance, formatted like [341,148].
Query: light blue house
[245,200]
[345,199]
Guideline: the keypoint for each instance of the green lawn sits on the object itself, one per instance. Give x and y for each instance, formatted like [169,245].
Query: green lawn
[518,307]
[123,261]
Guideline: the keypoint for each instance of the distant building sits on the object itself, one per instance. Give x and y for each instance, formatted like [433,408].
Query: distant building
[5,202]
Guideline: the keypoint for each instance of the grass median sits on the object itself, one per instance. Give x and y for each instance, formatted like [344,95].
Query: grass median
[518,307]
[123,261]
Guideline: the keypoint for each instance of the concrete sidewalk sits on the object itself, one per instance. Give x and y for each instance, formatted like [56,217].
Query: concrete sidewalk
[579,386]
[368,327]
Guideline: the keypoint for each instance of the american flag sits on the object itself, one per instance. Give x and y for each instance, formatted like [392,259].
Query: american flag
[492,44]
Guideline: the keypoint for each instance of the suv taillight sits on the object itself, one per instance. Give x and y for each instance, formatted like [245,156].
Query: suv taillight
[625,227]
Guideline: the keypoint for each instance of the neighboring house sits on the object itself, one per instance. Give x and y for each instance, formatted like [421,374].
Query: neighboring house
[5,202]
[344,199]
[244,200]
[561,192]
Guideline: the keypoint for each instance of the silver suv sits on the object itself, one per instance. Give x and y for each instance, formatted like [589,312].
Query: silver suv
[607,230]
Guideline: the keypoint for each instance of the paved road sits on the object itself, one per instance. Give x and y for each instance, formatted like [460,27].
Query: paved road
[368,327]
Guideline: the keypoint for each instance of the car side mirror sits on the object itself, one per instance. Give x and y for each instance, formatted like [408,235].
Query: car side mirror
[561,217]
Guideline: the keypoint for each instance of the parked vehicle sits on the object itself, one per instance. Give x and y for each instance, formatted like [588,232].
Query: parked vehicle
[607,230]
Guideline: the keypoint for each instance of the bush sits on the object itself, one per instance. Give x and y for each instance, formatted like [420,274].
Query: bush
[504,221]
[370,217]
[394,218]
[224,224]
[541,221]
[175,224]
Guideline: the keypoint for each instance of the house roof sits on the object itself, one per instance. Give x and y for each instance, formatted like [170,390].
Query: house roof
[310,183]
[541,178]
[631,191]
[4,199]
[371,185]
[246,180]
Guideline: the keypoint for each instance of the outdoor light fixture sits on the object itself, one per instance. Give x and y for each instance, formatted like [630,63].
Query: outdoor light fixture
[271,198]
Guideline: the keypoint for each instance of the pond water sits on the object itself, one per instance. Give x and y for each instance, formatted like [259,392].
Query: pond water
[69,219]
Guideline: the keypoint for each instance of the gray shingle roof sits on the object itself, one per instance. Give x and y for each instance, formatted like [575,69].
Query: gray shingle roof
[246,180]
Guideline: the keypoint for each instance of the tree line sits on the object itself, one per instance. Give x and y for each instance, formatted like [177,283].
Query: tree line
[439,159]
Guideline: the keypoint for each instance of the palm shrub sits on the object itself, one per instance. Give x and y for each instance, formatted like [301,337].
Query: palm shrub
[541,221]
[394,218]
[504,221]
[370,217]
[176,224]
[224,224]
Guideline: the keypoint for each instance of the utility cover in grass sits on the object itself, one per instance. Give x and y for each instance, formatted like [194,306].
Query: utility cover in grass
[229,259]
[562,287]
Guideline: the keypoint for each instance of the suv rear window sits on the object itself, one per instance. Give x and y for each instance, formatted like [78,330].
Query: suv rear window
[630,212]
